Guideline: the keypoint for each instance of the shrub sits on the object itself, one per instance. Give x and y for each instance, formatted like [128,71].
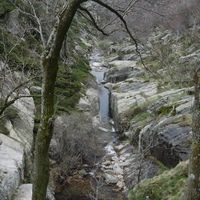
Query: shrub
[77,141]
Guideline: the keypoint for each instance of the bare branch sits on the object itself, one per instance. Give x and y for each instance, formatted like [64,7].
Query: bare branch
[37,19]
[92,20]
[126,28]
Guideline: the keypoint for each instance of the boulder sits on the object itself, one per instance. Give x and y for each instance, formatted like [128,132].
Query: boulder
[21,128]
[168,140]
[119,70]
[24,192]
[89,103]
[110,178]
[11,166]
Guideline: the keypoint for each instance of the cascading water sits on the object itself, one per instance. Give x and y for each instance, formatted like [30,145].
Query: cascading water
[108,133]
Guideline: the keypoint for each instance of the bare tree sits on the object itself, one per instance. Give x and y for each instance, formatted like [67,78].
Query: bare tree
[50,69]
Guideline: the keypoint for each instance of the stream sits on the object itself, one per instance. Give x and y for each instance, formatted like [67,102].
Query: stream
[112,188]
[105,180]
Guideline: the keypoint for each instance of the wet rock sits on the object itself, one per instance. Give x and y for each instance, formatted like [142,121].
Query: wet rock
[110,178]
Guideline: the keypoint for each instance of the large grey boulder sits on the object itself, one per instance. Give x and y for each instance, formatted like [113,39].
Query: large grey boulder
[89,102]
[11,166]
[119,70]
[169,140]
[21,127]
[24,192]
[18,123]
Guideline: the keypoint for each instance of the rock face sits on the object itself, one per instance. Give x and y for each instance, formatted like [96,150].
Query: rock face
[125,95]
[168,142]
[166,130]
[119,70]
[21,128]
[11,166]
[89,102]
[25,193]
[124,166]
[15,141]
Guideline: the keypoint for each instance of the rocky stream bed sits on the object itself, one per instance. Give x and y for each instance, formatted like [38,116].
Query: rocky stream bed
[160,126]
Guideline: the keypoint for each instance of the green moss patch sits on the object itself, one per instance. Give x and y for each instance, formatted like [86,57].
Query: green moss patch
[170,185]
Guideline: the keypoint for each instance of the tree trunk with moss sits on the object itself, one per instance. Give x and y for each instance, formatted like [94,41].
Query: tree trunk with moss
[50,69]
[193,185]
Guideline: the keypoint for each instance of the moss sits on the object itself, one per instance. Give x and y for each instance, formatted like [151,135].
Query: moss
[5,7]
[185,120]
[11,113]
[169,185]
[132,111]
[165,110]
[143,118]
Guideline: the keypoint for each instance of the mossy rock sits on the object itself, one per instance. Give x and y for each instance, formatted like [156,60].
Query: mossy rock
[169,185]
[165,110]
[184,120]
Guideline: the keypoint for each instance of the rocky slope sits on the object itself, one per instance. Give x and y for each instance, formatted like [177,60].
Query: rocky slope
[152,105]
[16,141]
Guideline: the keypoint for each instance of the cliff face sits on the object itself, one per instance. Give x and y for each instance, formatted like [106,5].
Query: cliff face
[15,145]
[152,104]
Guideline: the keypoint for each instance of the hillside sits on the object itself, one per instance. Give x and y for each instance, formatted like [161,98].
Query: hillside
[150,99]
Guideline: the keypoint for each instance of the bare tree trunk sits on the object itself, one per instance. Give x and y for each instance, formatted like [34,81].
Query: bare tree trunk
[50,69]
[193,185]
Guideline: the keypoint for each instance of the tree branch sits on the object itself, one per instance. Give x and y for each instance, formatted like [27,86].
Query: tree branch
[92,20]
[36,18]
[126,28]
[8,102]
